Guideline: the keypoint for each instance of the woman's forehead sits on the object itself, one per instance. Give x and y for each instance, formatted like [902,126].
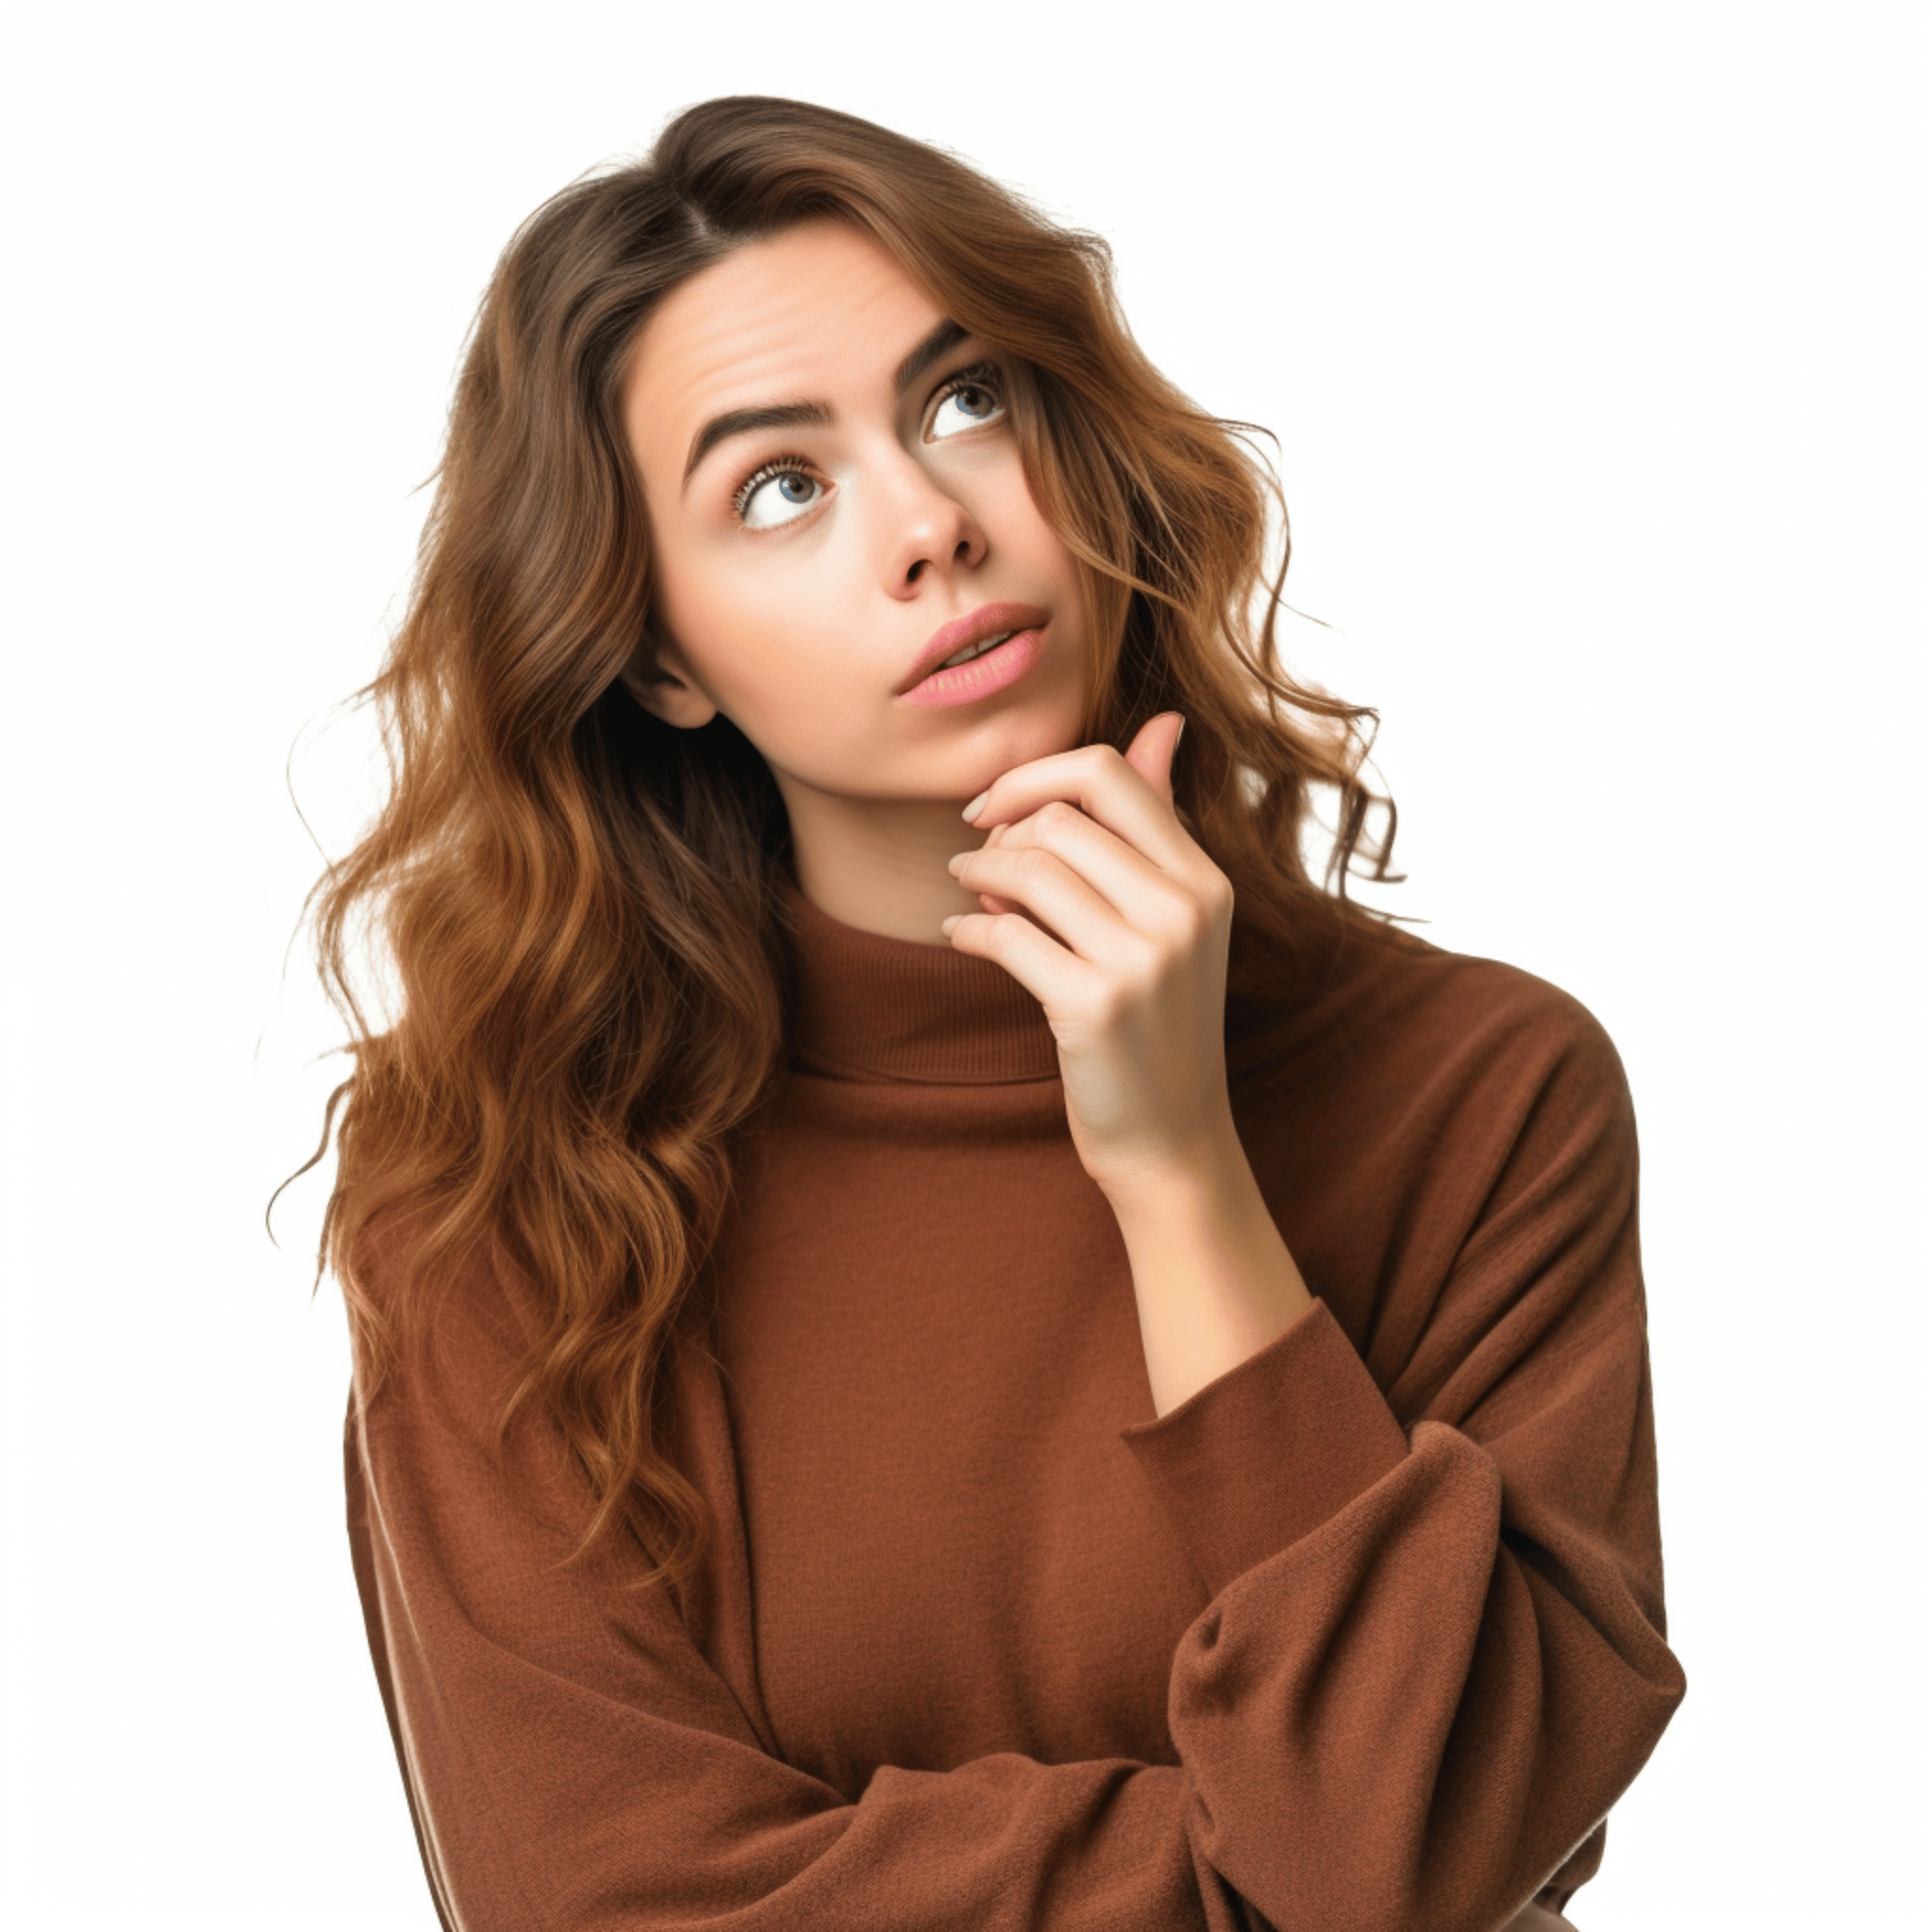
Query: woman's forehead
[819,313]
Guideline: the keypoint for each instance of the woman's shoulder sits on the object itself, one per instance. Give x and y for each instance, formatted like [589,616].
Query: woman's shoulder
[1390,1013]
[452,1324]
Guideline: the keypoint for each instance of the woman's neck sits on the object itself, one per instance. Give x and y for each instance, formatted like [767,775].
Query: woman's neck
[879,864]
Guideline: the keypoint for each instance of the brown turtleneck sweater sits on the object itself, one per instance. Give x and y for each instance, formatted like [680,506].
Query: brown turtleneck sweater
[1367,1636]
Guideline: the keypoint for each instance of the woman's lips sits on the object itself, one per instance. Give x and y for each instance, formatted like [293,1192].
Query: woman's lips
[980,677]
[976,628]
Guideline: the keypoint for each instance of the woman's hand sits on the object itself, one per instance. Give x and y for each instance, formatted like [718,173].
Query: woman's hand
[1108,912]
[1103,907]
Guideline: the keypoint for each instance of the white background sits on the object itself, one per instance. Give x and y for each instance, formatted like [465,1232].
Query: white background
[1592,335]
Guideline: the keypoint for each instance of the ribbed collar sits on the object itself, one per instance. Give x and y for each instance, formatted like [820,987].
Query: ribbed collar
[866,1008]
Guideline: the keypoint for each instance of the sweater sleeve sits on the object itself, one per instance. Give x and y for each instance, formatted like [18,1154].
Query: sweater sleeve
[1434,1653]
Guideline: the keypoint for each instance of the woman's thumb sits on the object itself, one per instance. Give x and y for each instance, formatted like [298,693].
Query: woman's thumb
[1152,752]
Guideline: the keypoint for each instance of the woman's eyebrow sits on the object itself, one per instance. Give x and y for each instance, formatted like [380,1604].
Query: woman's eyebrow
[928,352]
[739,422]
[816,415]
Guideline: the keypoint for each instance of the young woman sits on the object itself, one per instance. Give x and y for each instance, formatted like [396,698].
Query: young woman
[1032,1370]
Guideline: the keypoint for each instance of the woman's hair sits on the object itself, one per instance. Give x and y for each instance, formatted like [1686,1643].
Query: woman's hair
[580,908]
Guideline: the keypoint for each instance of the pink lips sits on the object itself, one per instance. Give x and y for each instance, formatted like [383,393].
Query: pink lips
[981,677]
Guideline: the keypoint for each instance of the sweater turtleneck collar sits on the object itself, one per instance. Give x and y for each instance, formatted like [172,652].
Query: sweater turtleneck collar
[868,1007]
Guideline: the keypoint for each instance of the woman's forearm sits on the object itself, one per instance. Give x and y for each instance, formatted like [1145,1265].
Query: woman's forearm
[1213,1279]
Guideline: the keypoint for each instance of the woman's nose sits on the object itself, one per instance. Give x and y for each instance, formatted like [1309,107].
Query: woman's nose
[924,530]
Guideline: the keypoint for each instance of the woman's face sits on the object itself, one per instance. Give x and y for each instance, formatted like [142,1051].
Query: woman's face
[836,502]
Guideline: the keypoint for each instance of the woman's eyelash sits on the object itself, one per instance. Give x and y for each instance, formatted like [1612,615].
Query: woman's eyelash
[981,375]
[778,466]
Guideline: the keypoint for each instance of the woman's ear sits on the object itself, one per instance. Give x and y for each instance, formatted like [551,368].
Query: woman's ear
[660,680]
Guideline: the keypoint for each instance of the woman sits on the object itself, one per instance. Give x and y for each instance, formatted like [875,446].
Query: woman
[1041,1372]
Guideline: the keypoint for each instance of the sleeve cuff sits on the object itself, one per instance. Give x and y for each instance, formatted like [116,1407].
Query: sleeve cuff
[1270,1450]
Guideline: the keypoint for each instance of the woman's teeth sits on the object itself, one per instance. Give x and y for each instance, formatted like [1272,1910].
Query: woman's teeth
[978,650]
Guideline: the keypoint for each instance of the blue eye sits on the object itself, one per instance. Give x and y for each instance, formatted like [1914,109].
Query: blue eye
[972,402]
[779,493]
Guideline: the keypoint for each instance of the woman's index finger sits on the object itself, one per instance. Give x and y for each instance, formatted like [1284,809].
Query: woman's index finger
[1100,781]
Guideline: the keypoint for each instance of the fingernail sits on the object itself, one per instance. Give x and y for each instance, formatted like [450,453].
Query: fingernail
[1178,729]
[958,860]
[946,926]
[974,809]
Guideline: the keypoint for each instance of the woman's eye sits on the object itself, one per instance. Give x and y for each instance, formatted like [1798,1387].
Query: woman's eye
[967,405]
[776,496]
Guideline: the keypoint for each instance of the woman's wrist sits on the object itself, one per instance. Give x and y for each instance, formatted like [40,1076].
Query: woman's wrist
[1213,1279]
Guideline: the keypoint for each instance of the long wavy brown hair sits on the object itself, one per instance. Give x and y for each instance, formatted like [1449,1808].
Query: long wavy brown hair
[577,910]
